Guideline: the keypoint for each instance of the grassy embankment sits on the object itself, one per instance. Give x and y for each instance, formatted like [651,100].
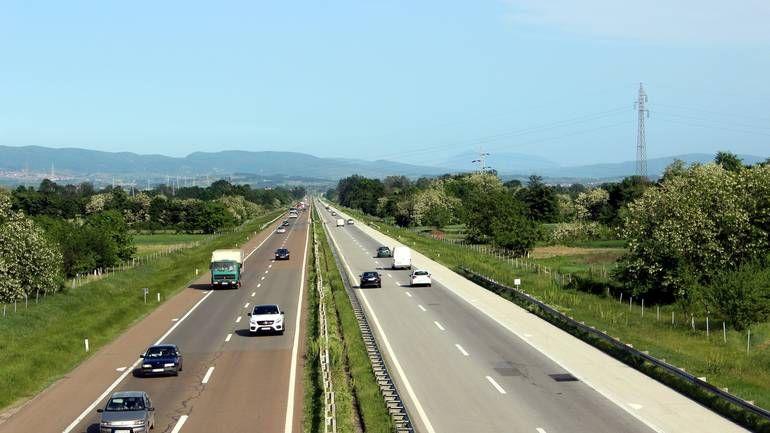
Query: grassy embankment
[360,406]
[40,344]
[721,358]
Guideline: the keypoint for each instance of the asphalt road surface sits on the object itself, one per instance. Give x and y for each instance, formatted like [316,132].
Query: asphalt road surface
[467,373]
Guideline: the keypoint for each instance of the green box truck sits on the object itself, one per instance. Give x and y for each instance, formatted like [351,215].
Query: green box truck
[226,268]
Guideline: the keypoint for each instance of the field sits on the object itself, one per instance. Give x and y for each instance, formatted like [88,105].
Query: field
[665,331]
[147,244]
[40,344]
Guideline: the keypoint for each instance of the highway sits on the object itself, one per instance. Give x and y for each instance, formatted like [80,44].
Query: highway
[232,381]
[458,371]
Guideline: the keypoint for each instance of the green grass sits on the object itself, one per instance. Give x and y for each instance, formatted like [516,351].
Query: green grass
[350,362]
[40,344]
[168,238]
[725,364]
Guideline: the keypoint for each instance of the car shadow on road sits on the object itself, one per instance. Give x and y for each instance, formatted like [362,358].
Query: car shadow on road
[200,286]
[249,334]
[93,428]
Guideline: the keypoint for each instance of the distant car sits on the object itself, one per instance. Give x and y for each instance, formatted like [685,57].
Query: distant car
[162,359]
[350,221]
[281,230]
[282,254]
[127,411]
[340,222]
[370,279]
[267,317]
[420,277]
[334,213]
[384,252]
[285,223]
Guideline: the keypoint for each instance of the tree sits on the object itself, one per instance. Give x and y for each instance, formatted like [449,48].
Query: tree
[540,200]
[590,205]
[729,161]
[113,224]
[511,229]
[30,263]
[694,226]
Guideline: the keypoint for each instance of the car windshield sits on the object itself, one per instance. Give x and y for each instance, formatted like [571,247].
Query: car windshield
[282,251]
[223,266]
[122,404]
[160,352]
[265,309]
[384,249]
[421,273]
[370,274]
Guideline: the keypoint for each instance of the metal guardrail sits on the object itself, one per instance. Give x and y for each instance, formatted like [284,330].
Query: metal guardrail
[330,408]
[623,347]
[396,408]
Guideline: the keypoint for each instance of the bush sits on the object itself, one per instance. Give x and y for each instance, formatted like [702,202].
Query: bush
[565,233]
[741,297]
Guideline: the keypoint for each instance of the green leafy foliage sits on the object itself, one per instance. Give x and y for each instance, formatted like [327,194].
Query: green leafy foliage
[742,296]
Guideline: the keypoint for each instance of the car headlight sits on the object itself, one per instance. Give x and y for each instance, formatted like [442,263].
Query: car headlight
[279,320]
[169,364]
[146,365]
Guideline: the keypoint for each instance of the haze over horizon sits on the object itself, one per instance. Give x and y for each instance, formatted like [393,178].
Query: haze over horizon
[405,82]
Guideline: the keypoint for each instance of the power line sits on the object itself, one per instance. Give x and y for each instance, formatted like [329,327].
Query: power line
[512,133]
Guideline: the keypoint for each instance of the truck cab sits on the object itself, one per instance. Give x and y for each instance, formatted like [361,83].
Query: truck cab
[226,267]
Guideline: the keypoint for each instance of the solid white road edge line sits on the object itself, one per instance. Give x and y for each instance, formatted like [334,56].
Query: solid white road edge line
[264,240]
[179,424]
[407,385]
[130,369]
[496,385]
[289,424]
[208,375]
[460,348]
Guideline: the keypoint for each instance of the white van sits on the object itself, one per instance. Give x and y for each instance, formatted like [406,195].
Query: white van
[402,258]
[340,222]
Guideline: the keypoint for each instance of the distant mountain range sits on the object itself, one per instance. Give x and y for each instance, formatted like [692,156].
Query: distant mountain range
[92,164]
[89,163]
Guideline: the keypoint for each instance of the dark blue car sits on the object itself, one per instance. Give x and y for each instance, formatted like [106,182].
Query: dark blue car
[161,359]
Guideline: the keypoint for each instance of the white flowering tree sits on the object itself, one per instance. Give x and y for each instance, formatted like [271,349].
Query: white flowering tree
[698,223]
[29,263]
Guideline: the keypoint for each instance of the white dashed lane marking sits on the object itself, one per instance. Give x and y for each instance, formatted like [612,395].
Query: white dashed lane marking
[238,319]
[208,375]
[229,336]
[460,348]
[496,385]
[438,325]
[422,308]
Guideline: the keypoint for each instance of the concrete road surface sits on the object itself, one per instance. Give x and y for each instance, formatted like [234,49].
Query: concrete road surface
[460,370]
[232,381]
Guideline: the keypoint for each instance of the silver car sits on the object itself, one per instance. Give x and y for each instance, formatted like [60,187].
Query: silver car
[127,412]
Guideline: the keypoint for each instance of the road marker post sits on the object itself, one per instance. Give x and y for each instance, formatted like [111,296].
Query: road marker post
[146,291]
[86,343]
[158,296]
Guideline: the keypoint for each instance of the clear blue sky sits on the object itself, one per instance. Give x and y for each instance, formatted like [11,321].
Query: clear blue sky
[408,80]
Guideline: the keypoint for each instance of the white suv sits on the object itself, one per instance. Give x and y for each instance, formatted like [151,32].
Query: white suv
[267,317]
[420,277]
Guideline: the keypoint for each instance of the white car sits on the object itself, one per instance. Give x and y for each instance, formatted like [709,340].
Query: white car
[350,221]
[420,277]
[281,230]
[268,317]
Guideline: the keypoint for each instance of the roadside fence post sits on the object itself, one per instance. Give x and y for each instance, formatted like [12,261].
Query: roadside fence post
[672,318]
[642,307]
[657,317]
[707,326]
[724,331]
[748,341]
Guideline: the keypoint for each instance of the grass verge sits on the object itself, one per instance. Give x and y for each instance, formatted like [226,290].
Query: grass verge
[720,357]
[360,406]
[40,344]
